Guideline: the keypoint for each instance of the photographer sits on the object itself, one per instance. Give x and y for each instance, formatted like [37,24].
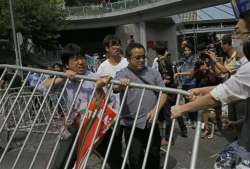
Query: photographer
[230,64]
[237,87]
[204,76]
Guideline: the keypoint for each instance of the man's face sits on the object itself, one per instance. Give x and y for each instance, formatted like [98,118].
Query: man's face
[187,51]
[183,44]
[225,47]
[241,29]
[57,68]
[113,50]
[77,64]
[137,59]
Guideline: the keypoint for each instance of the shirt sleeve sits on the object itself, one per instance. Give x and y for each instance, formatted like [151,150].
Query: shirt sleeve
[235,88]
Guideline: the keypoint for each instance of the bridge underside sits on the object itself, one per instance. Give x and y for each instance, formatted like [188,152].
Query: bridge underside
[142,13]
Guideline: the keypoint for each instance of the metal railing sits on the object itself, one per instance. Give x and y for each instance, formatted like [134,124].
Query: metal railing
[94,10]
[46,144]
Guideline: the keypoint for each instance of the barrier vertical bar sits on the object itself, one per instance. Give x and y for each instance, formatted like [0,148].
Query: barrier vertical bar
[59,136]
[133,130]
[151,132]
[78,133]
[115,128]
[98,127]
[19,121]
[6,91]
[196,142]
[171,136]
[33,124]
[47,127]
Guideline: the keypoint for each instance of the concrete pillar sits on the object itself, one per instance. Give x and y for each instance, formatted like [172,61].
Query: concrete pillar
[142,33]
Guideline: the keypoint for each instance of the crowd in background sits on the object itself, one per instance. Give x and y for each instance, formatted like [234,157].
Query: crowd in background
[210,65]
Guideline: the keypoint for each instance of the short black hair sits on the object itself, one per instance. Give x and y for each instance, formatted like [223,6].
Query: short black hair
[227,39]
[246,49]
[110,40]
[70,50]
[132,46]
[160,48]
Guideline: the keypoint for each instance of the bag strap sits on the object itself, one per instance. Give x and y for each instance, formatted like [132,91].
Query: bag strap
[142,79]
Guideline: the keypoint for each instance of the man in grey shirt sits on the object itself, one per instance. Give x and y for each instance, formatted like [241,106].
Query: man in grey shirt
[138,73]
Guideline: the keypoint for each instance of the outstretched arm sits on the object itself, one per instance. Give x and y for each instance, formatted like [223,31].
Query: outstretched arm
[200,103]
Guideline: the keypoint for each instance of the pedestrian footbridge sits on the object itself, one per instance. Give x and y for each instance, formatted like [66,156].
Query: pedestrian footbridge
[130,11]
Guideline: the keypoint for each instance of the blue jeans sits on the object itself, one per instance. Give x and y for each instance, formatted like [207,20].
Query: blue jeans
[233,157]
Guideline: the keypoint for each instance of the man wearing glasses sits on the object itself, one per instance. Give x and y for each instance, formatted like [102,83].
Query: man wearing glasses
[137,72]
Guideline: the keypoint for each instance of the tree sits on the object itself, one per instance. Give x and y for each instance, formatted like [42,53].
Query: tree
[38,20]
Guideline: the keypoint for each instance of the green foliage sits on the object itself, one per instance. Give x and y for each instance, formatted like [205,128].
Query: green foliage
[36,19]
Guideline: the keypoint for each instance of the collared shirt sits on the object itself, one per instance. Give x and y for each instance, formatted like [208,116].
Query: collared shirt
[187,65]
[237,87]
[149,100]
[83,97]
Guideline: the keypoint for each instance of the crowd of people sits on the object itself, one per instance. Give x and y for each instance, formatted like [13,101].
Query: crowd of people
[195,71]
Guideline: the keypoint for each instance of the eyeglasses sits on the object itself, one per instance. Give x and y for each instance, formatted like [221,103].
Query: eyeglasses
[139,57]
[236,35]
[115,46]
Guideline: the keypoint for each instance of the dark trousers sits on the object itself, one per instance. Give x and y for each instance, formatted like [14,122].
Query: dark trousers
[64,150]
[114,159]
[138,147]
[237,110]
[165,114]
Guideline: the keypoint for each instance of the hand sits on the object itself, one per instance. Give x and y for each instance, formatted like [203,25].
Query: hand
[166,81]
[198,91]
[106,79]
[120,87]
[176,111]
[212,55]
[227,124]
[151,115]
[176,75]
[191,97]
[71,74]
[124,82]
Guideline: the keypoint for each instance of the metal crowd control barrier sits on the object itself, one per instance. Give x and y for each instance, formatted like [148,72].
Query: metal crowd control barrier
[33,116]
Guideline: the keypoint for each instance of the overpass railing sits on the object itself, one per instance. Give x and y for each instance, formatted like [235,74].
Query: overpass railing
[102,8]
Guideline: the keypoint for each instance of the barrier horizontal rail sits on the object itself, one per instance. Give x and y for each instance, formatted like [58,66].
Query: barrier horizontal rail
[48,142]
[156,88]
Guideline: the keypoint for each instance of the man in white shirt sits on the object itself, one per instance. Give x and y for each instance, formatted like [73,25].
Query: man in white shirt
[237,87]
[114,63]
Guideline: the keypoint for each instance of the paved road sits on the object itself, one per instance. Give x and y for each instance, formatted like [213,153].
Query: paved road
[179,156]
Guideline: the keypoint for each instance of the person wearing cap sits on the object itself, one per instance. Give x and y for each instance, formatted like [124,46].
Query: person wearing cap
[237,87]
